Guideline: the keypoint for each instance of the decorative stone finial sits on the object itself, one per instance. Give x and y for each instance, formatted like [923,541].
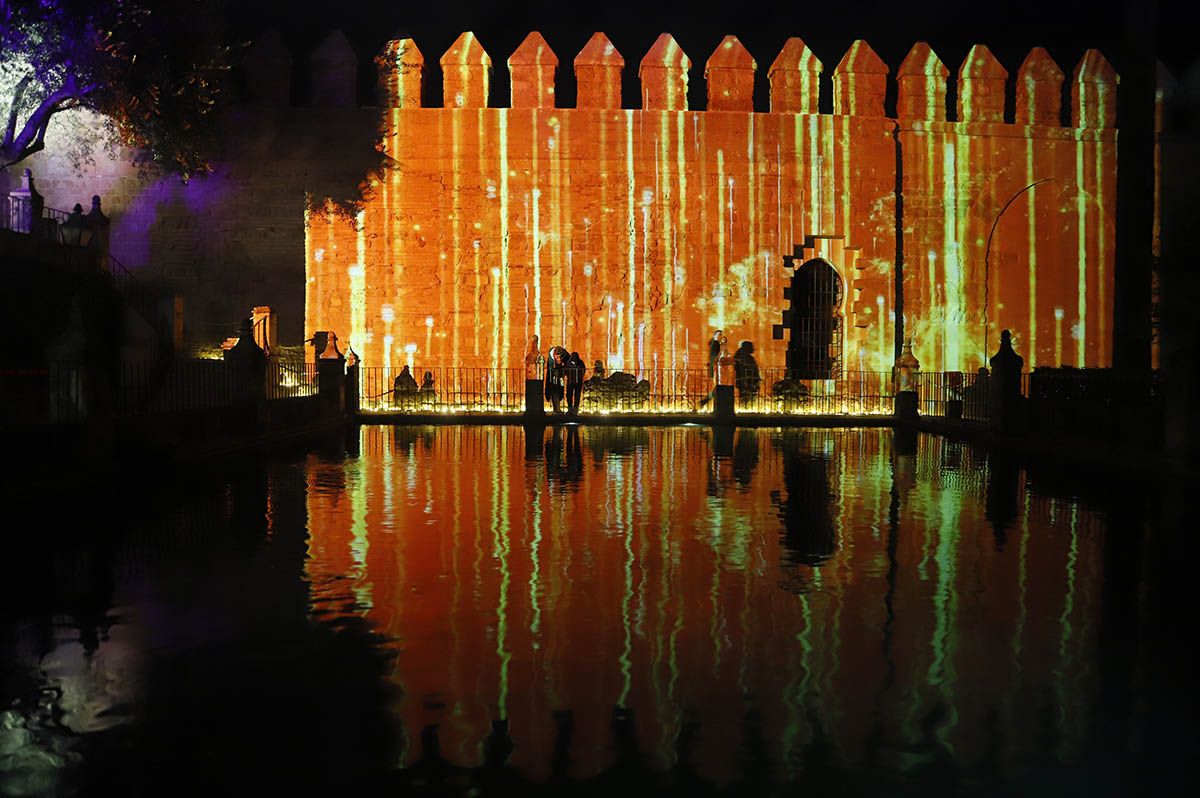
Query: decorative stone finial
[730,76]
[532,68]
[795,79]
[859,82]
[981,81]
[1039,90]
[334,72]
[598,74]
[664,76]
[401,68]
[921,85]
[1094,92]
[466,71]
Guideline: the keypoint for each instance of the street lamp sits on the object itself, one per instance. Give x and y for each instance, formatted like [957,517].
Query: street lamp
[987,255]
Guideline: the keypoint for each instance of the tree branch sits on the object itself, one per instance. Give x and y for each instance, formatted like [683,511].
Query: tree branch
[18,95]
[39,119]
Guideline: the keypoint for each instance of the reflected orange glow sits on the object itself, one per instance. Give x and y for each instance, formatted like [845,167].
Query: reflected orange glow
[629,235]
[687,577]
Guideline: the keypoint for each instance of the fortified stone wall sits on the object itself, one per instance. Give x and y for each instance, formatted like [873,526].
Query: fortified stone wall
[629,235]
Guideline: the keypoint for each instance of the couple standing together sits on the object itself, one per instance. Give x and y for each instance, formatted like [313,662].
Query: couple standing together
[564,375]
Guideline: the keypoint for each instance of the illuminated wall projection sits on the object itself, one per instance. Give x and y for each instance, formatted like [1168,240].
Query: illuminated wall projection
[464,549]
[630,235]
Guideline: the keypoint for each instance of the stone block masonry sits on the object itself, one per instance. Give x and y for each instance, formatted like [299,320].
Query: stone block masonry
[631,234]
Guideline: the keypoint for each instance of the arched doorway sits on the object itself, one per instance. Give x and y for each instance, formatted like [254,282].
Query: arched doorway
[815,349]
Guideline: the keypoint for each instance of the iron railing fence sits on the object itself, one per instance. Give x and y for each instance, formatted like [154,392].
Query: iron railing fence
[954,394]
[44,395]
[147,389]
[288,377]
[651,391]
[1097,403]
[454,390]
[851,393]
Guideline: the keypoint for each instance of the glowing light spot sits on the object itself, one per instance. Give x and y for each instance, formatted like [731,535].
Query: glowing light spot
[410,348]
[387,313]
[416,227]
[1059,313]
[429,321]
[495,271]
[319,255]
[587,270]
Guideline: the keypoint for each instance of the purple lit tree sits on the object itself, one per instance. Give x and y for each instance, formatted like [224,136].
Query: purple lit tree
[153,77]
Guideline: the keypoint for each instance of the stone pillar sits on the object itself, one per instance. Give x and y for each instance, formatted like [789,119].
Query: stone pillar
[1039,90]
[101,227]
[905,374]
[331,376]
[352,381]
[401,69]
[598,74]
[859,82]
[921,85]
[1094,92]
[25,207]
[723,396]
[535,366]
[466,70]
[795,78]
[981,81]
[531,68]
[664,76]
[1005,404]
[730,77]
[265,328]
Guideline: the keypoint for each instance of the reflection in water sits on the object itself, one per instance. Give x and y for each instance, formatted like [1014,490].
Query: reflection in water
[626,612]
[460,608]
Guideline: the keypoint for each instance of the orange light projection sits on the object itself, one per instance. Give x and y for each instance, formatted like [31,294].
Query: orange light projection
[519,574]
[629,235]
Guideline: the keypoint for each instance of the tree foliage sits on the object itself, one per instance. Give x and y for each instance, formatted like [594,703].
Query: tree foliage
[155,75]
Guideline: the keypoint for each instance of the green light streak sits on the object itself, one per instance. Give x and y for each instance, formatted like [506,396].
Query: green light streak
[536,235]
[1031,215]
[952,329]
[535,621]
[941,673]
[631,232]
[1101,243]
[719,322]
[500,553]
[676,262]
[1081,221]
[626,658]
[360,544]
[505,335]
[1066,633]
[813,169]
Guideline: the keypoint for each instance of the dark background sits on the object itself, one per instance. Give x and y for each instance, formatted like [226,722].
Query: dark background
[1008,27]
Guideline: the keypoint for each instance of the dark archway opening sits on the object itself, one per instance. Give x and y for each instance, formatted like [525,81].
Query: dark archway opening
[815,349]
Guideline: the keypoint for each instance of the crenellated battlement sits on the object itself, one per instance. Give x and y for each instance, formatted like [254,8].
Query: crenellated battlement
[859,84]
[633,233]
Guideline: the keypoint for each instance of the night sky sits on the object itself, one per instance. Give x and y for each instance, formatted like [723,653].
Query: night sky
[1009,27]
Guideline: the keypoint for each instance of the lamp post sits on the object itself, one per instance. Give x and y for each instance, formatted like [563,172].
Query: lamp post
[987,255]
[75,230]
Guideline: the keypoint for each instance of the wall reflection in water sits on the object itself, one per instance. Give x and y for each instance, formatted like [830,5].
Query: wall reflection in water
[570,599]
